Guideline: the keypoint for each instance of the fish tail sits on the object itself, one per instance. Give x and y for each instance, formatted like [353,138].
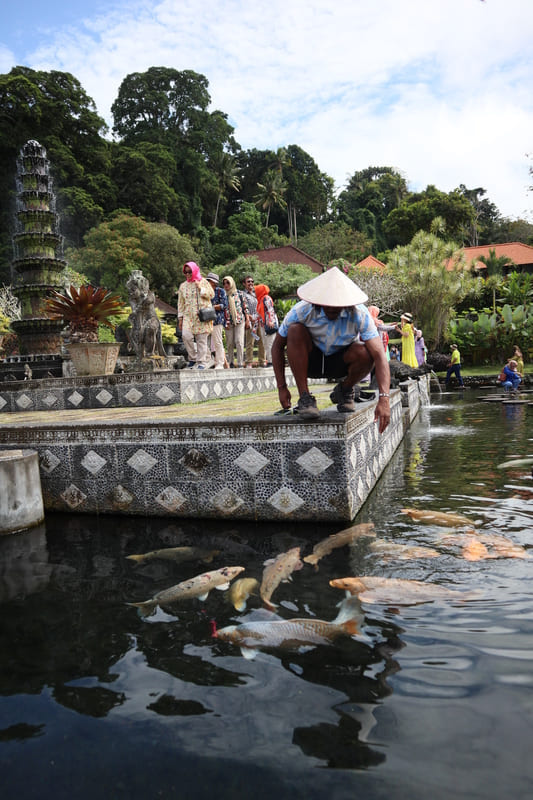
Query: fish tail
[136,558]
[351,627]
[349,612]
[145,608]
[269,604]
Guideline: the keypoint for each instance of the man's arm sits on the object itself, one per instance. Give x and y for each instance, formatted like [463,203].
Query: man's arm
[377,353]
[278,363]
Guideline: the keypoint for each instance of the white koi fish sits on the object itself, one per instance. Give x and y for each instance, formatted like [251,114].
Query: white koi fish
[176,554]
[397,591]
[199,587]
[276,571]
[292,634]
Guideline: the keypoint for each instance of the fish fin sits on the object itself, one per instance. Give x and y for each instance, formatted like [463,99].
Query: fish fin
[349,611]
[222,587]
[269,604]
[249,653]
[241,606]
[136,558]
[351,627]
[203,597]
[144,609]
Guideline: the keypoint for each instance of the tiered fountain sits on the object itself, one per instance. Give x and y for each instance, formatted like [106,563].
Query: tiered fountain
[37,246]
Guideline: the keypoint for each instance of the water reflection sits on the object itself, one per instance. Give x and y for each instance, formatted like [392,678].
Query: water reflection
[86,682]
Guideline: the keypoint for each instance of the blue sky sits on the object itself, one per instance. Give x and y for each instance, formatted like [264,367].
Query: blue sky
[438,89]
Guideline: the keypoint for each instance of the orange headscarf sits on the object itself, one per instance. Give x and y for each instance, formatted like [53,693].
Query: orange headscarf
[261,291]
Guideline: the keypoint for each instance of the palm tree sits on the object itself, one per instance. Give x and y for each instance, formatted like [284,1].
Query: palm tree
[227,175]
[495,270]
[272,190]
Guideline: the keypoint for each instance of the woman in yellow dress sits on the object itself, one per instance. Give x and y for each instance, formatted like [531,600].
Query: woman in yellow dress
[407,329]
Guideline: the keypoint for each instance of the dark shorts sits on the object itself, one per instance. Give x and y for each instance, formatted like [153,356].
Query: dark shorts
[321,366]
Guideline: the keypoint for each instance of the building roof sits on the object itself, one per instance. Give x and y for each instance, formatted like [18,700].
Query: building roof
[165,308]
[519,253]
[372,262]
[288,254]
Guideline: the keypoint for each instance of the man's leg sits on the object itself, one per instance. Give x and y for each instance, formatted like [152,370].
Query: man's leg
[359,363]
[299,345]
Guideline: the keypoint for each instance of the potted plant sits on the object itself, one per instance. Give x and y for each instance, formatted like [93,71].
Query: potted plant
[84,309]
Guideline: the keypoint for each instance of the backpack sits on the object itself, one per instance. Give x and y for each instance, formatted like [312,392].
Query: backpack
[271,320]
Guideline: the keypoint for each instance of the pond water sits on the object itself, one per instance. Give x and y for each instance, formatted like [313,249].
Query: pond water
[429,700]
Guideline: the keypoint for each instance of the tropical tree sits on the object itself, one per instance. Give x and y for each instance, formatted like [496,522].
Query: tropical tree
[271,192]
[433,277]
[335,240]
[226,171]
[418,211]
[495,270]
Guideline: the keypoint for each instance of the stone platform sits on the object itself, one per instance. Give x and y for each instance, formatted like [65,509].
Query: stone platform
[228,458]
[133,390]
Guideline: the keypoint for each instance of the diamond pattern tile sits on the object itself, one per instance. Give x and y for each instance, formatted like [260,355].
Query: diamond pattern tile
[251,461]
[24,402]
[285,500]
[165,394]
[142,462]
[104,397]
[133,396]
[75,399]
[2,402]
[48,462]
[92,462]
[49,400]
[121,498]
[73,496]
[227,501]
[314,461]
[171,499]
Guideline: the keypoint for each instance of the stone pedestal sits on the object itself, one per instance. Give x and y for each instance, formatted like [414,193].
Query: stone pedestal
[21,500]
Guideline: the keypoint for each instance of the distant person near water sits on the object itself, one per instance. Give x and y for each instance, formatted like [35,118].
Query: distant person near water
[513,379]
[454,366]
[407,330]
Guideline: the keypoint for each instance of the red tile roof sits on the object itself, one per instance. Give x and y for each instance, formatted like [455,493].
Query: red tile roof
[519,253]
[372,263]
[288,254]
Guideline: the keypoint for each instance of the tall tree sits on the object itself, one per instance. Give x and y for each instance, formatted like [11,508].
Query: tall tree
[271,192]
[434,279]
[418,211]
[226,171]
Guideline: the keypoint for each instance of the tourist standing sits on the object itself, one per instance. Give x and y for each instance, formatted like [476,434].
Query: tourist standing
[194,293]
[454,366]
[219,302]
[420,347]
[407,330]
[235,318]
[267,320]
[251,324]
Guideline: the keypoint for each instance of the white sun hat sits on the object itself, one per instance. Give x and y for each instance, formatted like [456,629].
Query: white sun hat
[332,288]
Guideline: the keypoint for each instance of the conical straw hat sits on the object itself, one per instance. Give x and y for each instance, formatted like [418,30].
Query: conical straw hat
[332,288]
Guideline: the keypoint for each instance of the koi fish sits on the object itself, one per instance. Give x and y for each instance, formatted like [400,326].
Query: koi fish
[292,634]
[442,518]
[176,554]
[336,540]
[276,571]
[199,587]
[397,591]
[240,591]
[390,551]
[485,545]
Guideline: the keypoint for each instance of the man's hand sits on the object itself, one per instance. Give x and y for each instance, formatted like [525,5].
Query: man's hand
[284,397]
[382,413]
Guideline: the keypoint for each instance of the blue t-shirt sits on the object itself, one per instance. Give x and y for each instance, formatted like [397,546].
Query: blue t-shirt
[330,335]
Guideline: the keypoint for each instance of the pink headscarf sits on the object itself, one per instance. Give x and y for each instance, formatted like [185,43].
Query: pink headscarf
[195,271]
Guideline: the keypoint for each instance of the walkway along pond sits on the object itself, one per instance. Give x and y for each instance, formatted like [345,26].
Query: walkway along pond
[203,460]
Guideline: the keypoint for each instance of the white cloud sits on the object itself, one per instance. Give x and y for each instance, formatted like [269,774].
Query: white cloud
[438,89]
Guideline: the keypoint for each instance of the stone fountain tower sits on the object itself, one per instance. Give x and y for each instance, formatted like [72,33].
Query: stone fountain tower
[37,246]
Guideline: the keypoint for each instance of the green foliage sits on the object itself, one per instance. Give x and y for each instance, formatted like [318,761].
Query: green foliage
[418,211]
[430,289]
[489,337]
[168,333]
[4,324]
[335,240]
[282,279]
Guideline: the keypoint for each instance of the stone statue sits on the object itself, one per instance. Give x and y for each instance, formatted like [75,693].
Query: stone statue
[145,333]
